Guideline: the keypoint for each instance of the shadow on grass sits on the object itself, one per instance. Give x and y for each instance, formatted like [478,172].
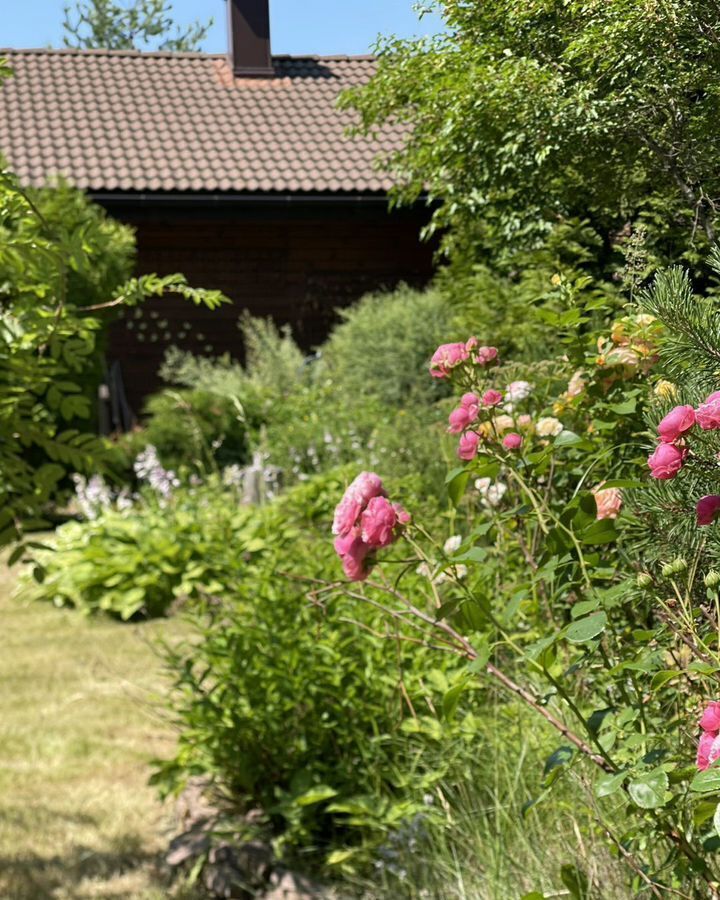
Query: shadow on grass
[37,877]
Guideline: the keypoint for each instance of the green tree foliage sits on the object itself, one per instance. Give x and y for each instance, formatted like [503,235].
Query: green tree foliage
[62,263]
[525,115]
[137,25]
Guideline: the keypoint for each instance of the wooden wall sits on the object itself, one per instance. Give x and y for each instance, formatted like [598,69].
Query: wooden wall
[295,262]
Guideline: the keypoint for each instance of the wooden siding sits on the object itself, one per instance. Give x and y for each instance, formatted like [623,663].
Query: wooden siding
[297,265]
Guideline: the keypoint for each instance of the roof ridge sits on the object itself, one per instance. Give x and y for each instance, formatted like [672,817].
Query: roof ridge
[168,54]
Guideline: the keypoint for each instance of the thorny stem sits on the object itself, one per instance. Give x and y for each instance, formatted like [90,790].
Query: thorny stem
[466,649]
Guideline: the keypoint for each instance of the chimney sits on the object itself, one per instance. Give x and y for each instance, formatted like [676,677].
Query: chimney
[249,32]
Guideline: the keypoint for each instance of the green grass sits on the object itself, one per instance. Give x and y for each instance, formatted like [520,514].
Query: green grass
[493,844]
[79,722]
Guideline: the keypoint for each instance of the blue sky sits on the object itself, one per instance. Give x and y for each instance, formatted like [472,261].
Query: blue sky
[298,26]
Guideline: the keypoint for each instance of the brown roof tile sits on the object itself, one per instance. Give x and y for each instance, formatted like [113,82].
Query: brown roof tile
[127,121]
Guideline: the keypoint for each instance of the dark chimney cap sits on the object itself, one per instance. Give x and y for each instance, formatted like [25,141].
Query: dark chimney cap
[249,32]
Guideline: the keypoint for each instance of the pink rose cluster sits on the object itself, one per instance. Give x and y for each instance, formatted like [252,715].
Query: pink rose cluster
[709,744]
[448,357]
[445,360]
[670,455]
[365,521]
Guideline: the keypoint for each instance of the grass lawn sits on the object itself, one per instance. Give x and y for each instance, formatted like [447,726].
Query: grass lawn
[79,721]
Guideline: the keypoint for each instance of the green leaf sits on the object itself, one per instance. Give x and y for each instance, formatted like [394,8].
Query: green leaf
[648,791]
[703,668]
[452,698]
[575,880]
[707,781]
[586,629]
[338,857]
[585,606]
[661,678]
[442,612]
[716,820]
[481,644]
[600,532]
[608,784]
[457,482]
[704,810]
[315,795]
[568,439]
[16,555]
[474,554]
[625,408]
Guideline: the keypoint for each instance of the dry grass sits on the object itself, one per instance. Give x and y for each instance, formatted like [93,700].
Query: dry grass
[79,722]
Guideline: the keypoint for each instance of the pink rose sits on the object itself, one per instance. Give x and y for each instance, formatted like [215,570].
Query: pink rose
[676,423]
[666,461]
[710,720]
[403,516]
[464,415]
[492,398]
[458,420]
[378,522]
[468,446]
[708,750]
[366,486]
[352,551]
[448,356]
[471,402]
[365,520]
[486,355]
[609,502]
[707,415]
[512,441]
[707,510]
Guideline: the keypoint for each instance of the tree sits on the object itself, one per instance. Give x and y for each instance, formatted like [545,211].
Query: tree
[141,25]
[63,262]
[526,115]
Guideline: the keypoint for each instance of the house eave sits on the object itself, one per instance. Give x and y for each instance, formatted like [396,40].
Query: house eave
[142,205]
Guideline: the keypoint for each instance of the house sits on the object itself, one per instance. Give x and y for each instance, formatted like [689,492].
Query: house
[235,170]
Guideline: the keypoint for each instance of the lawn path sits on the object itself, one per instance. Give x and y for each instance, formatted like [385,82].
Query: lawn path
[80,717]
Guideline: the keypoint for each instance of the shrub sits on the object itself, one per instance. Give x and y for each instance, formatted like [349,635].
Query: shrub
[298,704]
[193,429]
[307,416]
[61,259]
[140,560]
[382,346]
[604,622]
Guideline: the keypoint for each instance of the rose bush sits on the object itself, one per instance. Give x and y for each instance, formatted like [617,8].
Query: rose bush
[575,606]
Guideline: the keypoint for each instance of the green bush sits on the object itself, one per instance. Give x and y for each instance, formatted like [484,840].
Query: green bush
[382,347]
[367,399]
[309,709]
[140,561]
[192,429]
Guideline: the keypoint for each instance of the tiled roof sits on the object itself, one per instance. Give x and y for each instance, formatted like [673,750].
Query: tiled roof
[127,121]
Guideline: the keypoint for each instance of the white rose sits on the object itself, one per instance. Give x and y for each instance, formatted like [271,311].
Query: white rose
[549,427]
[503,423]
[452,544]
[518,390]
[490,494]
[495,493]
